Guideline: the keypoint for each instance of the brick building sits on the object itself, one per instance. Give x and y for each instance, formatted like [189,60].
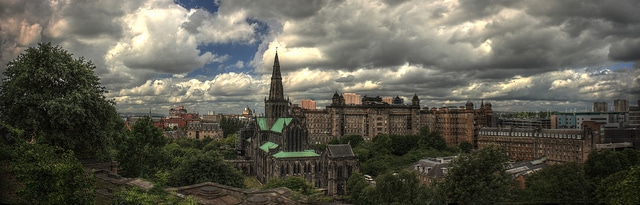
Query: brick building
[556,145]
[375,116]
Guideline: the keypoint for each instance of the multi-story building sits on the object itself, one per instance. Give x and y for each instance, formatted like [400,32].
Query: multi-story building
[634,115]
[374,117]
[600,107]
[178,118]
[277,146]
[620,105]
[308,104]
[200,129]
[556,145]
[352,98]
[544,123]
[432,170]
[575,120]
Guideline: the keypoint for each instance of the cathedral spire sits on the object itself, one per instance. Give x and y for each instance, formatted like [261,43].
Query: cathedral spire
[276,106]
[276,92]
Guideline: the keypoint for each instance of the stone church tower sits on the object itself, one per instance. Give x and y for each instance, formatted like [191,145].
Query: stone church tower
[277,146]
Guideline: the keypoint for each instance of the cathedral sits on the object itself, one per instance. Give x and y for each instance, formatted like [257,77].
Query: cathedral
[277,146]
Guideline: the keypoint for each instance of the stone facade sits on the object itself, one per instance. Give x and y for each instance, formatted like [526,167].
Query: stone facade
[199,129]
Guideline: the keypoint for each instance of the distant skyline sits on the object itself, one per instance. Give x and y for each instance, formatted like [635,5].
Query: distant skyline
[527,55]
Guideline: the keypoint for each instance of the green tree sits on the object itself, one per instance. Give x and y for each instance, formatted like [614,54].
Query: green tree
[179,154]
[141,152]
[58,100]
[601,164]
[620,187]
[560,183]
[431,139]
[356,186]
[382,145]
[397,188]
[401,144]
[206,167]
[52,175]
[231,125]
[478,178]
[465,146]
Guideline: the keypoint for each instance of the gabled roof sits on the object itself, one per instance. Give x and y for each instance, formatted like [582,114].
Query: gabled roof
[268,145]
[340,150]
[276,127]
[306,153]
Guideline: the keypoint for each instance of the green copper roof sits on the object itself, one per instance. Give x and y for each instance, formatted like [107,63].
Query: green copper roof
[268,145]
[306,153]
[280,123]
[262,123]
[277,126]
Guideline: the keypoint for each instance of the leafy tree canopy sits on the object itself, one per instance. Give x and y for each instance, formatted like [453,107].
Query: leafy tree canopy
[431,139]
[356,186]
[231,125]
[206,167]
[601,164]
[57,100]
[621,187]
[141,151]
[478,178]
[397,188]
[52,175]
[560,183]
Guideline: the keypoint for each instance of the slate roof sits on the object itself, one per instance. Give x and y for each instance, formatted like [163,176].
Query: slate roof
[340,150]
[526,167]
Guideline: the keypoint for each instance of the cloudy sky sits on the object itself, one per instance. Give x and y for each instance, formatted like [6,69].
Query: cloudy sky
[527,55]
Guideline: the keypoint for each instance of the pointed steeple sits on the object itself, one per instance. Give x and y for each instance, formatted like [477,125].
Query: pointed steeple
[276,92]
[276,106]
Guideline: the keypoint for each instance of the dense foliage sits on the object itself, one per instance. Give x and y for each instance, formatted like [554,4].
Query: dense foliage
[560,183]
[230,126]
[141,150]
[387,153]
[206,167]
[52,175]
[57,100]
[478,178]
